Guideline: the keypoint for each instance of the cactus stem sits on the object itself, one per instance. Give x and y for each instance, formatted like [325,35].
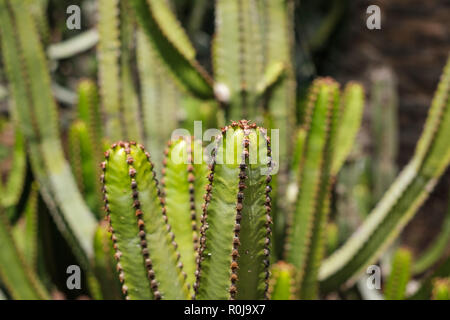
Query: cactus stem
[205,215]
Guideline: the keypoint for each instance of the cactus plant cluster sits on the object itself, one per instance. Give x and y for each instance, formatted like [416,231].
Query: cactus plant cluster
[254,215]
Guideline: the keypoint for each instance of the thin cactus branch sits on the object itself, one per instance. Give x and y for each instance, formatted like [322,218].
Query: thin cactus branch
[350,117]
[384,129]
[441,289]
[89,110]
[73,46]
[82,159]
[278,50]
[436,249]
[172,46]
[85,149]
[157,90]
[129,102]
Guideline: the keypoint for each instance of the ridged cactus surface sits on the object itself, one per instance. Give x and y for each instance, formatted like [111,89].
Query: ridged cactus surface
[235,237]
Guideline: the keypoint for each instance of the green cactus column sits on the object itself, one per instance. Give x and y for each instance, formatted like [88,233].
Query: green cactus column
[184,181]
[401,201]
[305,245]
[400,275]
[147,259]
[235,237]
[282,282]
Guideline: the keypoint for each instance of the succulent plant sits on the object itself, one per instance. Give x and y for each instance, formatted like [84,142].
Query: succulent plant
[399,276]
[250,216]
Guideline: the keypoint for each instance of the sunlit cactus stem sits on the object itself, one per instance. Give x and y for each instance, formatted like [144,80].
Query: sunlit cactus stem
[148,263]
[235,237]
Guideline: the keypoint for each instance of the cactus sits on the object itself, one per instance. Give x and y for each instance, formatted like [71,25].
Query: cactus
[183,186]
[116,30]
[354,196]
[104,264]
[384,130]
[139,226]
[400,275]
[37,116]
[14,187]
[15,273]
[350,117]
[403,198]
[234,251]
[173,47]
[436,249]
[88,111]
[204,231]
[83,164]
[157,90]
[282,281]
[332,237]
[441,289]
[425,291]
[305,238]
[25,231]
[85,151]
